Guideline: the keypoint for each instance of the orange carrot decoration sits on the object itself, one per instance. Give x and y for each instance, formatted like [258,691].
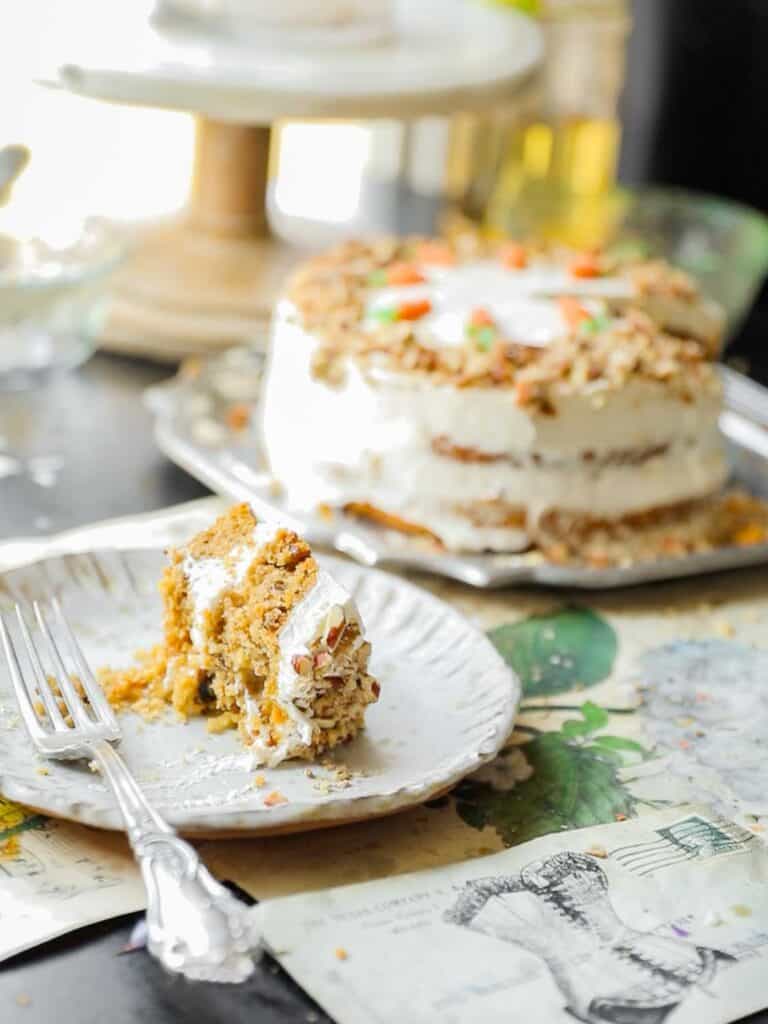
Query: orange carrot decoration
[413,310]
[481,318]
[514,256]
[586,265]
[572,311]
[404,273]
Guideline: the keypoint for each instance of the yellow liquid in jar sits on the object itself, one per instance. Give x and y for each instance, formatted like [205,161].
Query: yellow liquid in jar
[557,182]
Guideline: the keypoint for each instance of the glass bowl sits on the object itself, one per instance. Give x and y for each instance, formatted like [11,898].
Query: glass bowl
[721,243]
[52,298]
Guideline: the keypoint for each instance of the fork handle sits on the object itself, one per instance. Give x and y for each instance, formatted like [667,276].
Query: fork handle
[195,926]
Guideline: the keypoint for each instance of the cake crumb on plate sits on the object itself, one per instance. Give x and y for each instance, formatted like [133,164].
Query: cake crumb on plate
[597,851]
[274,799]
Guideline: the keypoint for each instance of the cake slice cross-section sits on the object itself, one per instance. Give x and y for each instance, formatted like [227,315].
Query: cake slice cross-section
[258,635]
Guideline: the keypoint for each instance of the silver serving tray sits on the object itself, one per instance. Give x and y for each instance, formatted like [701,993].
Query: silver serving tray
[191,429]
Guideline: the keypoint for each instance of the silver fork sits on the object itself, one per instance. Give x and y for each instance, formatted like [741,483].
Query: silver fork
[195,926]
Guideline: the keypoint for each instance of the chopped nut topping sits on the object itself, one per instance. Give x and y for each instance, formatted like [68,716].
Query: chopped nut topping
[659,278]
[596,353]
[667,532]
[335,625]
[302,664]
[513,256]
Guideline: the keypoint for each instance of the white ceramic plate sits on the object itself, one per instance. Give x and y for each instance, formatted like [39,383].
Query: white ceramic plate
[448,56]
[447,705]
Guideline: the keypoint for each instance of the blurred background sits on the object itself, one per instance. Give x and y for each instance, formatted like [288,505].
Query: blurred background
[173,140]
[629,94]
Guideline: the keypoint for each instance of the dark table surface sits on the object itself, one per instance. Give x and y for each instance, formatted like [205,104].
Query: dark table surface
[81,450]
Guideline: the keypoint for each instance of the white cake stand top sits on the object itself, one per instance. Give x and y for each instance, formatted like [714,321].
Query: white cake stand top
[449,55]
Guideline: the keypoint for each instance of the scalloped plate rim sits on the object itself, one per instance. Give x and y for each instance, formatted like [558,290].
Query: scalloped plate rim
[296,815]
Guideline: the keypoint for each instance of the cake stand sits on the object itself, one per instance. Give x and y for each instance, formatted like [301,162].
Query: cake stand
[208,278]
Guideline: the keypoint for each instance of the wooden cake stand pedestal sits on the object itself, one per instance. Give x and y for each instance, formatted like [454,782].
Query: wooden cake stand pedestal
[208,279]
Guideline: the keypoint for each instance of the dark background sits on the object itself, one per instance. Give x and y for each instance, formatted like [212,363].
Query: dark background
[695,114]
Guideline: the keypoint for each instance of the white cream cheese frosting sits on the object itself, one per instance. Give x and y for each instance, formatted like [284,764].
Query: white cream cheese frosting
[301,629]
[209,578]
[384,437]
[521,301]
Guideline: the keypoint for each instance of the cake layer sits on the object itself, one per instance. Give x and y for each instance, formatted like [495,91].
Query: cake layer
[462,462]
[469,390]
[256,636]
[274,640]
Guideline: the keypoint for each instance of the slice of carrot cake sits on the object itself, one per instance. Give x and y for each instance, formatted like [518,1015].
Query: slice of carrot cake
[257,635]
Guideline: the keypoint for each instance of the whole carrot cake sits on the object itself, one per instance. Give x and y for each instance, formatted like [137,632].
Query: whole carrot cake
[258,636]
[483,393]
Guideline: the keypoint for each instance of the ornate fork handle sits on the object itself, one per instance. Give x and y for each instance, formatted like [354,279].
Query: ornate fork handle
[195,926]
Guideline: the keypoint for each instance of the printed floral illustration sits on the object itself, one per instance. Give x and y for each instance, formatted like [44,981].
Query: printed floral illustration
[569,649]
[568,778]
[560,910]
[707,701]
[573,779]
[15,819]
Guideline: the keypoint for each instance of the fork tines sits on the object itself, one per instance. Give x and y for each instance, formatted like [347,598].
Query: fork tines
[58,691]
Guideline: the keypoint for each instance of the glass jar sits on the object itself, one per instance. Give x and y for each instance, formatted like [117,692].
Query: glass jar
[555,169]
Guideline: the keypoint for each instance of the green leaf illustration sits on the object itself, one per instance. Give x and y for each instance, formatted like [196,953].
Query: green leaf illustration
[571,787]
[592,719]
[573,727]
[564,650]
[575,783]
[619,743]
[595,717]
